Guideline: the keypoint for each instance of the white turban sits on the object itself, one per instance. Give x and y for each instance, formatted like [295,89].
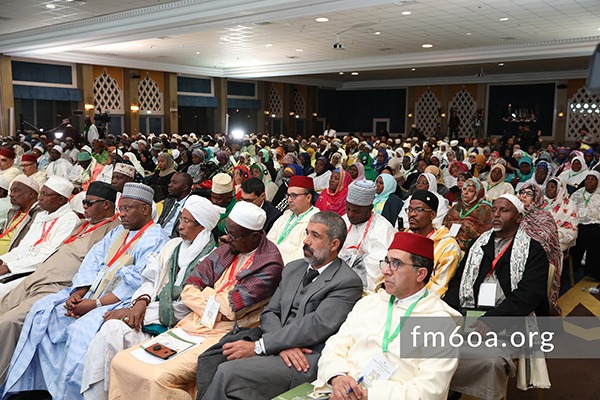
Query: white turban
[58,148]
[515,201]
[204,212]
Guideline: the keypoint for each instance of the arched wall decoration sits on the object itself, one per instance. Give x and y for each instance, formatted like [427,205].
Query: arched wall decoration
[150,96]
[583,111]
[465,108]
[427,114]
[107,94]
[299,104]
[275,103]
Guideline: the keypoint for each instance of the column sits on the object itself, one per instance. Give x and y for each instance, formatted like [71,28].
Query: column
[7,101]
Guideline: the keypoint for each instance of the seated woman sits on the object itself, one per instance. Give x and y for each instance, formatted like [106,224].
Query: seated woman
[386,202]
[472,213]
[522,174]
[454,194]
[322,174]
[334,197]
[564,211]
[540,226]
[575,176]
[495,185]
[426,181]
[240,174]
[357,171]
[259,170]
[439,176]
[161,178]
[542,174]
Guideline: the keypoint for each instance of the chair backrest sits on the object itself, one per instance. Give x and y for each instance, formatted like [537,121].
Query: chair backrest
[551,272]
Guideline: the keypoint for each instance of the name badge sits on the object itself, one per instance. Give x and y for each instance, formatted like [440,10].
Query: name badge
[487,294]
[380,368]
[210,312]
[454,229]
[583,212]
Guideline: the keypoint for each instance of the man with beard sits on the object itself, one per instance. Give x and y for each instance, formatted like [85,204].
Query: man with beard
[312,301]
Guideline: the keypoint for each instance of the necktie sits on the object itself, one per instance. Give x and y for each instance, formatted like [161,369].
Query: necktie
[170,214]
[309,277]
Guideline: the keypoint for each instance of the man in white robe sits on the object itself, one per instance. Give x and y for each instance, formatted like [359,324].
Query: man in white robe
[8,168]
[47,231]
[58,166]
[369,234]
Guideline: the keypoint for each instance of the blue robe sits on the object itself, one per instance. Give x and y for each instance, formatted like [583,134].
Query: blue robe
[52,347]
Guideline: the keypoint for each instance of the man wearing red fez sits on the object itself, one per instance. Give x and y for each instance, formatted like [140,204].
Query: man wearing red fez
[7,164]
[289,230]
[29,166]
[369,335]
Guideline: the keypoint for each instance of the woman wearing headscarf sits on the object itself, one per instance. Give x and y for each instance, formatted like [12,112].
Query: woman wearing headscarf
[259,171]
[337,160]
[194,168]
[453,171]
[334,197]
[426,181]
[365,158]
[386,202]
[539,225]
[136,163]
[563,210]
[542,174]
[357,171]
[439,176]
[280,200]
[161,178]
[522,174]
[480,166]
[588,156]
[574,176]
[381,161]
[495,185]
[306,163]
[146,162]
[186,161]
[241,173]
[454,193]
[321,175]
[472,214]
[245,159]
[224,164]
[264,157]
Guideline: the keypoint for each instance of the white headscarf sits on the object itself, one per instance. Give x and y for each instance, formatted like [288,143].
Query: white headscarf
[136,163]
[206,214]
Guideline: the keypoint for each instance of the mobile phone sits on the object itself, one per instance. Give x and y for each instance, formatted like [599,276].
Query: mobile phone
[161,351]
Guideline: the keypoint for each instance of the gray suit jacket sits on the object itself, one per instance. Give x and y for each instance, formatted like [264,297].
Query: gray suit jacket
[323,309]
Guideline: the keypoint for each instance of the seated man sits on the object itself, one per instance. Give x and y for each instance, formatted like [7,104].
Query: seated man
[253,190]
[51,349]
[23,197]
[56,272]
[289,230]
[515,270]
[58,166]
[8,169]
[311,303]
[179,189]
[123,173]
[369,234]
[447,254]
[158,305]
[221,194]
[48,230]
[30,169]
[362,338]
[238,278]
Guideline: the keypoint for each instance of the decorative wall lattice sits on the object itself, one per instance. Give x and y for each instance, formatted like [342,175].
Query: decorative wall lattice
[464,105]
[107,94]
[427,114]
[275,103]
[299,105]
[150,96]
[583,112]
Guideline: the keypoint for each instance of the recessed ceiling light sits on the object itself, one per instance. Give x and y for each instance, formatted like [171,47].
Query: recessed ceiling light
[377,33]
[50,6]
[468,33]
[322,19]
[197,52]
[341,73]
[268,45]
[501,64]
[413,69]
[355,73]
[599,29]
[406,13]
[503,19]
[426,46]
[299,50]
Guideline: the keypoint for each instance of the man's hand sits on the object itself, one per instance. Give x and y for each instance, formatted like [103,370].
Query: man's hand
[136,315]
[295,357]
[74,299]
[119,313]
[238,349]
[3,268]
[342,384]
[82,308]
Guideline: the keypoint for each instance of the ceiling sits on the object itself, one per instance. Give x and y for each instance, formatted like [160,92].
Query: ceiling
[473,41]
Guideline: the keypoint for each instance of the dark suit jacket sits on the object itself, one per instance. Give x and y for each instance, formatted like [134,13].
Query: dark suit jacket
[322,310]
[272,215]
[168,205]
[531,292]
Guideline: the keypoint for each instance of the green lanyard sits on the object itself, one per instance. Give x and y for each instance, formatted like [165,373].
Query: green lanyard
[388,323]
[289,226]
[588,199]
[468,212]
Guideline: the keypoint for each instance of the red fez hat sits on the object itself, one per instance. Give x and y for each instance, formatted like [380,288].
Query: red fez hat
[302,182]
[7,153]
[29,158]
[414,244]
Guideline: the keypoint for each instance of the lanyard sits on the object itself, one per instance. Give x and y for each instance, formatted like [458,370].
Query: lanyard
[13,227]
[388,322]
[232,275]
[498,257]
[125,246]
[288,228]
[430,233]
[45,232]
[359,245]
[460,213]
[586,201]
[92,228]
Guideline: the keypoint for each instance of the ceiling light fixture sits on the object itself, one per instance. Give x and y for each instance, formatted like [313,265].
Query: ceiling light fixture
[501,64]
[322,19]
[468,34]
[426,46]
[197,52]
[355,73]
[406,13]
[50,6]
[341,73]
[299,50]
[503,19]
[413,69]
[377,33]
[268,45]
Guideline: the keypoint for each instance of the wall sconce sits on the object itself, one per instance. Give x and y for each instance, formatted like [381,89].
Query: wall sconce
[291,113]
[561,114]
[443,115]
[89,106]
[314,114]
[148,111]
[410,115]
[135,108]
[266,113]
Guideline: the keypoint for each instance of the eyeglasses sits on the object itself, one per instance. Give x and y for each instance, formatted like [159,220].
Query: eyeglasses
[188,221]
[526,192]
[418,210]
[27,165]
[234,238]
[293,196]
[394,265]
[89,203]
[127,209]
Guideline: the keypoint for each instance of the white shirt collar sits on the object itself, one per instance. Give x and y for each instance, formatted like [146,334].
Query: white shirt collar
[412,298]
[320,270]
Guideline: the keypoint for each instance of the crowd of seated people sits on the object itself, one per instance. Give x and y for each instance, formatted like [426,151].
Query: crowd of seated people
[198,266]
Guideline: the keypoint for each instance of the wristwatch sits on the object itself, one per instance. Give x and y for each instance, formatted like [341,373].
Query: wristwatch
[258,349]
[98,303]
